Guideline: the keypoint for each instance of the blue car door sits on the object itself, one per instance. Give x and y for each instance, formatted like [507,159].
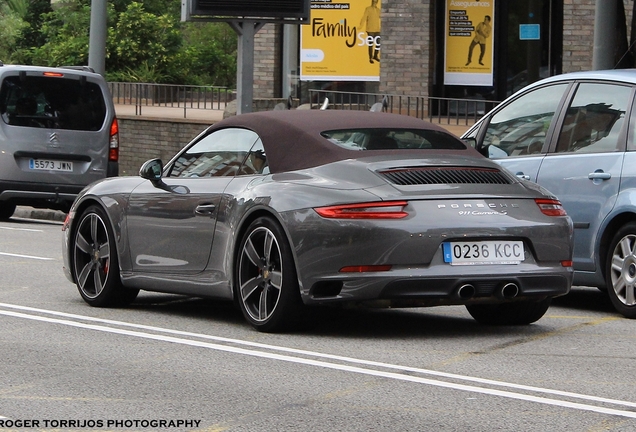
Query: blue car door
[583,167]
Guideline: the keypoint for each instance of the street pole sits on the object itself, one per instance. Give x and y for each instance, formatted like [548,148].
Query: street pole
[97,37]
[245,63]
[604,35]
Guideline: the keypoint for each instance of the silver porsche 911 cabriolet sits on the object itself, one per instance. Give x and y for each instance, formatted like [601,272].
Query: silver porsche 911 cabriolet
[281,210]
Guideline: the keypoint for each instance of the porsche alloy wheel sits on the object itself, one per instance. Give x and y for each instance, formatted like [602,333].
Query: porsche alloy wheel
[267,286]
[621,271]
[95,262]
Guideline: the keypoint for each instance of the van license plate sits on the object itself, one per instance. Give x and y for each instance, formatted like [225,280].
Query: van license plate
[50,165]
[483,252]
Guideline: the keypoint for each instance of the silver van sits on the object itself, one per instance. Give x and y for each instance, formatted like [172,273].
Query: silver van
[58,133]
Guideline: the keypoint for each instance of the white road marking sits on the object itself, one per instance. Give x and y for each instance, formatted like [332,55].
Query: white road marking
[27,256]
[406,376]
[20,229]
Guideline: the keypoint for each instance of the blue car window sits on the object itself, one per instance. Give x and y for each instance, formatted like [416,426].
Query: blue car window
[594,119]
[520,127]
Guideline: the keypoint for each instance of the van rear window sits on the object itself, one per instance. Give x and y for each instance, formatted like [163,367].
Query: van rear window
[52,102]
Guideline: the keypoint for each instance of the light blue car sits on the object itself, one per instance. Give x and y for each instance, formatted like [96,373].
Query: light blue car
[574,135]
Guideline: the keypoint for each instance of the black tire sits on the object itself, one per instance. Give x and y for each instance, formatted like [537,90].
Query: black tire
[515,313]
[95,263]
[620,270]
[266,284]
[6,210]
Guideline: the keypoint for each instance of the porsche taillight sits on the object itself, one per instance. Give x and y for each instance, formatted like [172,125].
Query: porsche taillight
[551,207]
[113,143]
[372,210]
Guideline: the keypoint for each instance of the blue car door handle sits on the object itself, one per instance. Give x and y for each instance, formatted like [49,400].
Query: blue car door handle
[599,175]
[204,209]
[521,175]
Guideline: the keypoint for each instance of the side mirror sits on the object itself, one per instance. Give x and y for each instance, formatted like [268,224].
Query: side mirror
[152,170]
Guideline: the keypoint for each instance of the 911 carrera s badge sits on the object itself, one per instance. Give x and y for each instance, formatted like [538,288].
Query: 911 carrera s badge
[479,209]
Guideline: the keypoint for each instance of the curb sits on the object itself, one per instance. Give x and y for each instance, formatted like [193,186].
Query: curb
[41,214]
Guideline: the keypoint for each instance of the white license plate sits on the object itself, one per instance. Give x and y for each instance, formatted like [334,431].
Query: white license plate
[484,252]
[50,165]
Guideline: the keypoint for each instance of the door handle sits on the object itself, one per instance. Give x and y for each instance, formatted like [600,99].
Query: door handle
[204,209]
[599,174]
[523,176]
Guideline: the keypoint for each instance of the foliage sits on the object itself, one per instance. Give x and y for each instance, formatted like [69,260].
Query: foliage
[143,40]
[212,49]
[11,24]
[146,41]
[66,33]
[30,36]
[20,7]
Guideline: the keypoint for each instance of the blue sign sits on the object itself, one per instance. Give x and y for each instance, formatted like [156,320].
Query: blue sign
[529,31]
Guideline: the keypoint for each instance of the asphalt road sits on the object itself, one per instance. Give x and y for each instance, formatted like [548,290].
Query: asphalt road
[172,363]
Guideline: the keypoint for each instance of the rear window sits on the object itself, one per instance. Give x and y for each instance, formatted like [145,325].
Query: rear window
[392,139]
[52,102]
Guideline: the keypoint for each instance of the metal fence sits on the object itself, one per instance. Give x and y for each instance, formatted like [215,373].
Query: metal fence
[185,97]
[451,111]
[435,109]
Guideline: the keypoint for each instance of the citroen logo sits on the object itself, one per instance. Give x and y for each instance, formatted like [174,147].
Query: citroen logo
[54,140]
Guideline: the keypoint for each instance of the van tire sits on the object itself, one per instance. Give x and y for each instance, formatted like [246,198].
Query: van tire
[6,210]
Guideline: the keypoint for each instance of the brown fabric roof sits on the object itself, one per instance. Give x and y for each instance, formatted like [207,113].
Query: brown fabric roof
[293,141]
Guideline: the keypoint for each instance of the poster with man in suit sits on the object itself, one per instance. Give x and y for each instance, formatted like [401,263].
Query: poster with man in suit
[469,43]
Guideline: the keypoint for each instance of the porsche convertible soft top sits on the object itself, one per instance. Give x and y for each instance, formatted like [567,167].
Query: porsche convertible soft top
[294,140]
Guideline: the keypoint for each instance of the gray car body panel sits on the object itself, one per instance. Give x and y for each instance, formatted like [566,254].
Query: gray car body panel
[162,241]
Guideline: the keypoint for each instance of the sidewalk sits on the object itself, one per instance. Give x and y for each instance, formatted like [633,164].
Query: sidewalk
[169,113]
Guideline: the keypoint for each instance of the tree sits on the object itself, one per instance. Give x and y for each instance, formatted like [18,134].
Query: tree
[11,24]
[66,35]
[140,39]
[30,35]
[146,41]
[212,48]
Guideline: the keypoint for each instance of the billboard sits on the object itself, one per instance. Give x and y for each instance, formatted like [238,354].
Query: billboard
[341,42]
[468,57]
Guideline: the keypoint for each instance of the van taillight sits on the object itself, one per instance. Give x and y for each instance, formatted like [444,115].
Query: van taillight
[113,147]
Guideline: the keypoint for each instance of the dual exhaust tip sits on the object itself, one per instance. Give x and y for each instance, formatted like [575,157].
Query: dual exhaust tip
[505,291]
